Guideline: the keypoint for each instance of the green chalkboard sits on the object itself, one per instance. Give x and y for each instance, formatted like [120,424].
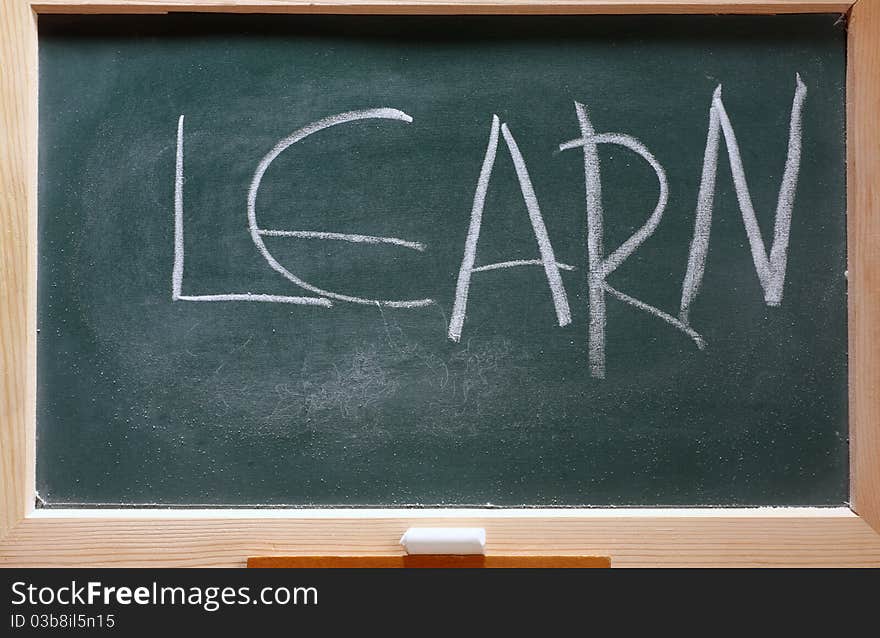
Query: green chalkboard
[387,261]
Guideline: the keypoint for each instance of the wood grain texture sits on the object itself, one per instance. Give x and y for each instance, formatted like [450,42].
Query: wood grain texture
[650,538]
[430,561]
[863,230]
[444,6]
[18,186]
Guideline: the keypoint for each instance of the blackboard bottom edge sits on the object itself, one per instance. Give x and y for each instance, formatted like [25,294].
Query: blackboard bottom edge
[67,510]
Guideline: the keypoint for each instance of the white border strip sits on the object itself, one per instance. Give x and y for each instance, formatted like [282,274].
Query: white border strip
[349,513]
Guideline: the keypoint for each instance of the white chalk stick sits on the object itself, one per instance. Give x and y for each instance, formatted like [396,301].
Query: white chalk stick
[444,540]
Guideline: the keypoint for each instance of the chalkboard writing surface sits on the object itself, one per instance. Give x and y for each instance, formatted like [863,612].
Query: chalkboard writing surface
[227,205]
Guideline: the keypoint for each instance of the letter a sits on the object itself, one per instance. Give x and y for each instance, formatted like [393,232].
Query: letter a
[547,260]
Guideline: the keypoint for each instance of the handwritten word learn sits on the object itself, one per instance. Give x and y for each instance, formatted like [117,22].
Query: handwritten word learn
[769,268]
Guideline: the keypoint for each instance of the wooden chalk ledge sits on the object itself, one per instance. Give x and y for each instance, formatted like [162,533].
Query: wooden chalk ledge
[429,561]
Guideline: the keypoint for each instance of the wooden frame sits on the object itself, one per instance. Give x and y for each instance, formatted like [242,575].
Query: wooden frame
[631,537]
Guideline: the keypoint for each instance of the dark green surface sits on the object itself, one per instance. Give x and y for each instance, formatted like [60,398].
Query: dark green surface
[145,400]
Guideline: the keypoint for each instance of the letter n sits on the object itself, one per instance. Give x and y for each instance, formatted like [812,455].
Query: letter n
[770,269]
